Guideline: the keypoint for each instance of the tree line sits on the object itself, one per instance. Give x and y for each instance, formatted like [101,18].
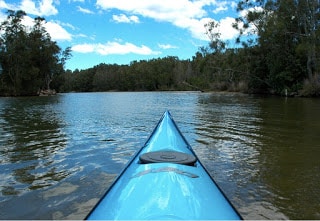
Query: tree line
[168,73]
[277,52]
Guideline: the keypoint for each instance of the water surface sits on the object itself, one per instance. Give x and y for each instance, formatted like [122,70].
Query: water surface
[59,154]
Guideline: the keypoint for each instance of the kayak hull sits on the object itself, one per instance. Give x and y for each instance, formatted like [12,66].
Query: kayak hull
[164,190]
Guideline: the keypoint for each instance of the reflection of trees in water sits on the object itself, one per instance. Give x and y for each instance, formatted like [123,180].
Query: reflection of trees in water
[270,146]
[288,161]
[31,140]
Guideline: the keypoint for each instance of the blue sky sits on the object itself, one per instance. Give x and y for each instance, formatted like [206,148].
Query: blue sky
[120,31]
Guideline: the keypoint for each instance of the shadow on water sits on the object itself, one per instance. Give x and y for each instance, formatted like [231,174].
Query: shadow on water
[288,160]
[263,153]
[30,149]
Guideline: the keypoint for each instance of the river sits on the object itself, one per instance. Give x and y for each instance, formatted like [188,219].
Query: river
[59,154]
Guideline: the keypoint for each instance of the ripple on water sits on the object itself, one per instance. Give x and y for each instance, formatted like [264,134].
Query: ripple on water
[263,153]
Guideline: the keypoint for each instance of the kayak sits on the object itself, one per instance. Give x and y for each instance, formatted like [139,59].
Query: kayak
[164,180]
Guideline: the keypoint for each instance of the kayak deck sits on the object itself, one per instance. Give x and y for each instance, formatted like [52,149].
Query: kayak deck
[158,184]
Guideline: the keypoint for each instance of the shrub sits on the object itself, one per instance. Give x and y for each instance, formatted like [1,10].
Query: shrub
[311,87]
[240,86]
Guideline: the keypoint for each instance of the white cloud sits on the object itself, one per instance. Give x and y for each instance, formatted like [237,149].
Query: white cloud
[186,14]
[57,32]
[39,7]
[82,1]
[196,27]
[244,13]
[68,25]
[113,48]
[83,48]
[134,19]
[226,29]
[252,26]
[84,10]
[166,46]
[221,6]
[81,36]
[54,28]
[165,10]
[234,5]
[4,5]
[44,7]
[122,18]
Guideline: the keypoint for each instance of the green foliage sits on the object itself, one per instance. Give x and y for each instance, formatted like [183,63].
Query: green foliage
[204,72]
[30,59]
[279,50]
[278,53]
[287,34]
[156,74]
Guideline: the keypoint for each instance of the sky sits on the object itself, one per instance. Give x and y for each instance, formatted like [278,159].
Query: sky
[122,31]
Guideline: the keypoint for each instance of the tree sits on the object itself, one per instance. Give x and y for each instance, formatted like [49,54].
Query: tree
[287,35]
[216,44]
[30,59]
[12,51]
[308,16]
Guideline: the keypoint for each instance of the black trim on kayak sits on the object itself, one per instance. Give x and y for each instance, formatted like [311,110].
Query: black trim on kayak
[225,196]
[166,169]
